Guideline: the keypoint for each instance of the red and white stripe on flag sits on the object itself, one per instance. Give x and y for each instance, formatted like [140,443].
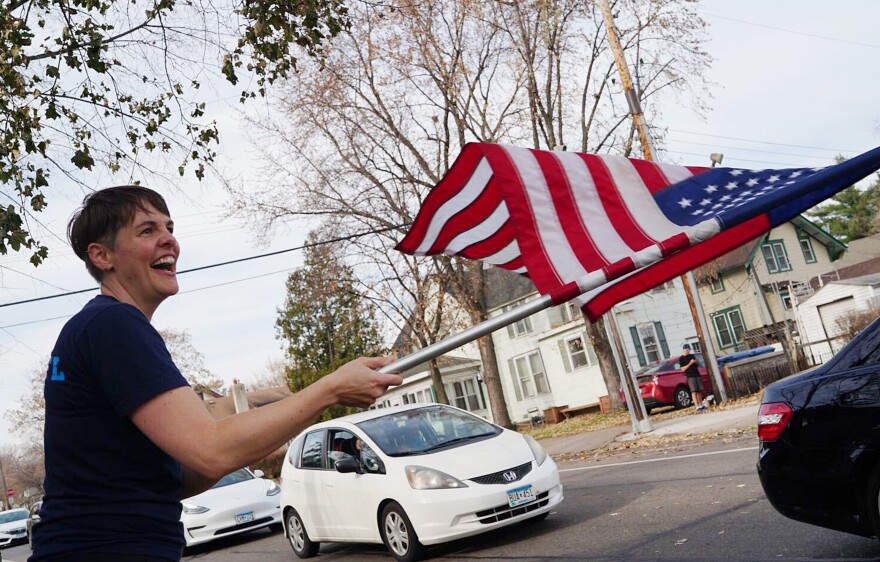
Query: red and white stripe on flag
[607,227]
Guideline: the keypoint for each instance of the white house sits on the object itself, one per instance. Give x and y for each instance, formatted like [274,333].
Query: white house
[546,360]
[852,289]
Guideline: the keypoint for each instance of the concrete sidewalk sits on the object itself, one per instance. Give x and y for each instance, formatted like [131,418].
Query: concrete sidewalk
[709,422]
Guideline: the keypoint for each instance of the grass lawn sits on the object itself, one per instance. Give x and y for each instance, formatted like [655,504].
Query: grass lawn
[594,421]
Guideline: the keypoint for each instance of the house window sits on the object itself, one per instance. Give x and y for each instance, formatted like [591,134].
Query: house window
[775,256]
[717,284]
[520,327]
[807,249]
[577,352]
[785,297]
[465,395]
[668,286]
[419,397]
[563,314]
[569,312]
[529,378]
[650,342]
[729,326]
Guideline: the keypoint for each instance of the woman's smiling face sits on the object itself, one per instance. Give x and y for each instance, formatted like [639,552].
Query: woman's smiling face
[143,261]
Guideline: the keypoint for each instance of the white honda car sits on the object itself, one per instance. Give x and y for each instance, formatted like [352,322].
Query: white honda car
[241,501]
[411,476]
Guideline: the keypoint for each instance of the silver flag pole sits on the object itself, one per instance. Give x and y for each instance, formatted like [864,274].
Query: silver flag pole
[457,340]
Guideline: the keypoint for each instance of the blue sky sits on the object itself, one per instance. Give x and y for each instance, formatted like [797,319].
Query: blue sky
[796,84]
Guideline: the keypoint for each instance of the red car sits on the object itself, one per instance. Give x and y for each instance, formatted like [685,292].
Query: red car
[663,384]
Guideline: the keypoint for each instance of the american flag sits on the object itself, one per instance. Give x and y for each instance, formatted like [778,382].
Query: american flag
[605,228]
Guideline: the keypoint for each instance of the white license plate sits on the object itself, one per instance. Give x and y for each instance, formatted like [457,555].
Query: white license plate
[244,517]
[521,495]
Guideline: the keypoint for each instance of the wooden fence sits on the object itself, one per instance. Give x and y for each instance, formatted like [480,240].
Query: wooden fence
[752,374]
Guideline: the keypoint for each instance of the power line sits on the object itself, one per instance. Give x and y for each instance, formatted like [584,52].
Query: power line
[239,260]
[703,155]
[763,142]
[805,34]
[761,150]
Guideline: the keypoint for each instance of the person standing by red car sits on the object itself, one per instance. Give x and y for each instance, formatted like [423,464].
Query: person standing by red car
[690,367]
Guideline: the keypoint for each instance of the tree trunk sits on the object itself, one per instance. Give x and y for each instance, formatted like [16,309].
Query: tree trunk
[492,379]
[437,381]
[602,347]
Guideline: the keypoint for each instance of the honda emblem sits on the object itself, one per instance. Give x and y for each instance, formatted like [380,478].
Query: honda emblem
[509,476]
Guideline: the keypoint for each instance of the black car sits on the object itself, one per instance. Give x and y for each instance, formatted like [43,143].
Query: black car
[819,459]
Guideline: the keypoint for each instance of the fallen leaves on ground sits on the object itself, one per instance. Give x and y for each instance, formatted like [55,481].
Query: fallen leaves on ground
[665,444]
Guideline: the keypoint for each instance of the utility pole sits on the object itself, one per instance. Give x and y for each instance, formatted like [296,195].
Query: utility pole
[3,478]
[638,117]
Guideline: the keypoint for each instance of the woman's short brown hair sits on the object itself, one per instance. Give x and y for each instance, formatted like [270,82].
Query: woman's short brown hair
[104,213]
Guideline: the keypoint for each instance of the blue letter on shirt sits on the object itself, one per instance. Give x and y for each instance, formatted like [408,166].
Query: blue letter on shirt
[56,375]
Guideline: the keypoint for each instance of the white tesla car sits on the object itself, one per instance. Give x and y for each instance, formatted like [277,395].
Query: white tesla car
[241,501]
[411,476]
[13,522]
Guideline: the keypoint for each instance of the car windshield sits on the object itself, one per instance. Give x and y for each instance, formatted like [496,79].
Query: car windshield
[425,430]
[239,475]
[13,515]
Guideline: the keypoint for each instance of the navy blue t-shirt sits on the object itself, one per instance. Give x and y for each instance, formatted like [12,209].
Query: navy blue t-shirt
[108,488]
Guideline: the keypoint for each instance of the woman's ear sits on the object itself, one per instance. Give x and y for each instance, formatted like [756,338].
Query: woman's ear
[100,256]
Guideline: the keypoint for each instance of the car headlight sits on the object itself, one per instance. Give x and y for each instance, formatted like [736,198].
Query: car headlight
[273,490]
[191,509]
[537,449]
[423,478]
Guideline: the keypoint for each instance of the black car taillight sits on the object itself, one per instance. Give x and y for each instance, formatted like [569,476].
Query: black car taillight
[772,419]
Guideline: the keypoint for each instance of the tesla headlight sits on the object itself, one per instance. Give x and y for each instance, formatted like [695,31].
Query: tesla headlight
[191,509]
[537,449]
[273,490]
[423,478]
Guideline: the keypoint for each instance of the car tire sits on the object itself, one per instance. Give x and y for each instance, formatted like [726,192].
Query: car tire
[298,537]
[682,397]
[399,535]
[872,500]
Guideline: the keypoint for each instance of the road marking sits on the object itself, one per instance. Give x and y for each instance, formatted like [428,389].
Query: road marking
[659,459]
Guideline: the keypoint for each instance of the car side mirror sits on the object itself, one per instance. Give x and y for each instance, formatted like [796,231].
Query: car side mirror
[348,464]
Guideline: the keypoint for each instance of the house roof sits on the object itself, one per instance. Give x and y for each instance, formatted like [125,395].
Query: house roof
[861,269]
[868,280]
[503,286]
[860,251]
[731,260]
[506,286]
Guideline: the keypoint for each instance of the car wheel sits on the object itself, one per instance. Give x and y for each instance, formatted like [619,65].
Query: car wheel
[399,535]
[299,539]
[682,397]
[872,501]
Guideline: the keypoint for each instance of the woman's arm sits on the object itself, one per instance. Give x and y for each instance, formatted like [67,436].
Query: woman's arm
[178,422]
